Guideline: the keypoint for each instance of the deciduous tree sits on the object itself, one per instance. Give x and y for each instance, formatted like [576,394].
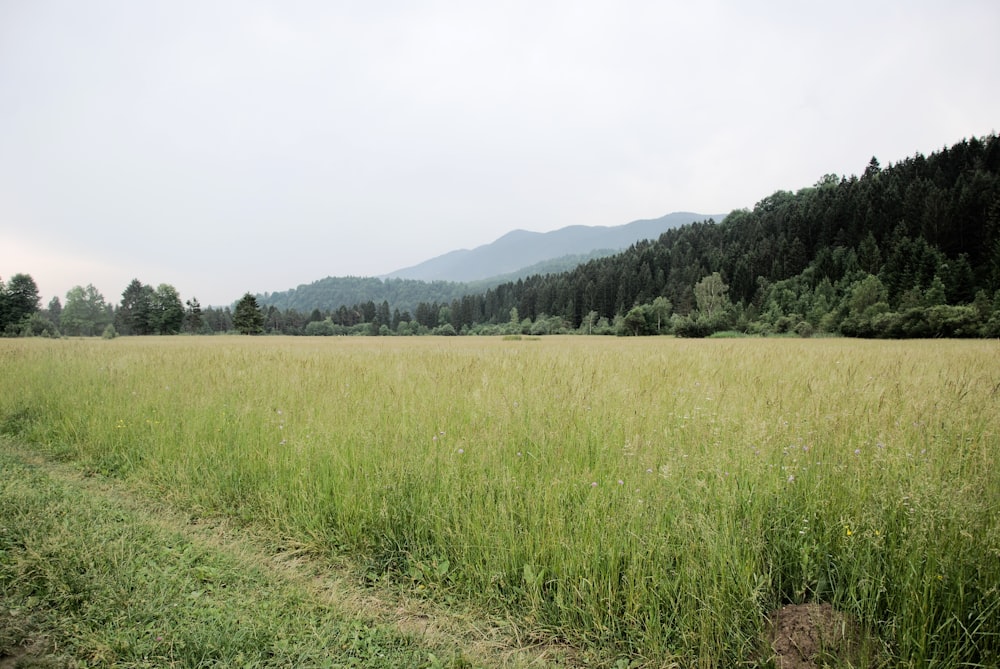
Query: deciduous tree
[711,294]
[86,313]
[167,312]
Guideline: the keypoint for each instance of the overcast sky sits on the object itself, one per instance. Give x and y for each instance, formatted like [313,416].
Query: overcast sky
[254,145]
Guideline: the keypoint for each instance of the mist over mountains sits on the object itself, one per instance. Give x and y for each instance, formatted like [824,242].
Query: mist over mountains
[520,249]
[518,254]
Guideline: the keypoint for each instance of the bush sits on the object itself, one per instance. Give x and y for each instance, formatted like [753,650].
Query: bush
[109,332]
[695,329]
[805,329]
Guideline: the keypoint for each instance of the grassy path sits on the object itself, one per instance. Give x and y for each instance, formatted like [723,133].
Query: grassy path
[93,574]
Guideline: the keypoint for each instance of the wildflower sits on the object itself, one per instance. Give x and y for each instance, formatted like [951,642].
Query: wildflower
[461,450]
[594,484]
[791,478]
[847,531]
[620,482]
[857,451]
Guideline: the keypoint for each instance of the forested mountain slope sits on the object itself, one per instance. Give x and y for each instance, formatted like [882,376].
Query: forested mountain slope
[912,249]
[517,254]
[868,255]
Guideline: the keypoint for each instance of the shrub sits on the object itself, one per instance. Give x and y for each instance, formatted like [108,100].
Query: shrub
[805,329]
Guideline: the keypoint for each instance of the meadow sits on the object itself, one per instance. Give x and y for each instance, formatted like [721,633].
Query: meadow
[655,498]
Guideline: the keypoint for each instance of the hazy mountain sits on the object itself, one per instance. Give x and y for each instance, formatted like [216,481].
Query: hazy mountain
[520,248]
[405,294]
[550,266]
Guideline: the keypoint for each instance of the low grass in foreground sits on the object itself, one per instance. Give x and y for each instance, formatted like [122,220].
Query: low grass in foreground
[87,582]
[655,497]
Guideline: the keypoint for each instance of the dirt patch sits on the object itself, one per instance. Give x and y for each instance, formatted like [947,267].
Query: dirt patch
[810,636]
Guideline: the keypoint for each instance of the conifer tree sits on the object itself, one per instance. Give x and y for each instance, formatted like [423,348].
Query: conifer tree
[248,319]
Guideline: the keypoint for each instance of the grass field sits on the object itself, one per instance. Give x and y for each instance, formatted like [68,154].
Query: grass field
[653,498]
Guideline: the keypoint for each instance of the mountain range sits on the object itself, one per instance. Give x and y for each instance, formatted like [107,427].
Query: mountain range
[520,249]
[516,255]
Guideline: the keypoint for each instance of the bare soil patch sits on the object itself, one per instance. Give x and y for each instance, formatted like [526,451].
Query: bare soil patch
[810,636]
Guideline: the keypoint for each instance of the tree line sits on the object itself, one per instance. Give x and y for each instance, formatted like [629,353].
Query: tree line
[143,310]
[909,250]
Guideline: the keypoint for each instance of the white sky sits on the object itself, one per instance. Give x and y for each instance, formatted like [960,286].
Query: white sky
[253,145]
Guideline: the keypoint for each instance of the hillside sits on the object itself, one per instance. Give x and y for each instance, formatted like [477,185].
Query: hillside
[908,250]
[526,253]
[912,249]
[520,248]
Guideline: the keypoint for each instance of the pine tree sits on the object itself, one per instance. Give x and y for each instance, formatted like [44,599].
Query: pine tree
[192,315]
[20,300]
[134,313]
[248,319]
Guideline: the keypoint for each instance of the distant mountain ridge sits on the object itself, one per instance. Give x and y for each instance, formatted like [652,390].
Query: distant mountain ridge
[521,248]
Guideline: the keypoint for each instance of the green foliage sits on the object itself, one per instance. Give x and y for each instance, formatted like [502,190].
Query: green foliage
[333,292]
[711,294]
[19,299]
[637,322]
[38,325]
[86,313]
[133,316]
[446,330]
[193,320]
[146,311]
[167,311]
[247,318]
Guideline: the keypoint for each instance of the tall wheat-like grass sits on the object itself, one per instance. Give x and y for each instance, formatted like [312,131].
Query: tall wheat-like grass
[658,496]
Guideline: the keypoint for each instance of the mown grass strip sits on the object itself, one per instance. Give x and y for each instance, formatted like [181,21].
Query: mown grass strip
[87,582]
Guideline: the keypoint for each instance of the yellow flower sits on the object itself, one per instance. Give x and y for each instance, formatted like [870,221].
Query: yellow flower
[847,530]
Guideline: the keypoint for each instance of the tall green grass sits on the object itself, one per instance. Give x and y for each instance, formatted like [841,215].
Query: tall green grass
[654,496]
